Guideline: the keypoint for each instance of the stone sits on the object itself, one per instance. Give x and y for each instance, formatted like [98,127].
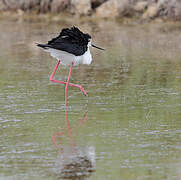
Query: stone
[151,12]
[113,8]
[170,8]
[45,6]
[59,5]
[20,12]
[21,4]
[12,4]
[2,6]
[163,7]
[96,3]
[29,4]
[141,6]
[174,9]
[178,10]
[81,7]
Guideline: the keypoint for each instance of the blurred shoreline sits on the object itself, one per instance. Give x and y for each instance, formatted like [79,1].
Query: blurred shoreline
[119,10]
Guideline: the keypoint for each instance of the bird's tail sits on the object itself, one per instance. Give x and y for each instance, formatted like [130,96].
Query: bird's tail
[44,46]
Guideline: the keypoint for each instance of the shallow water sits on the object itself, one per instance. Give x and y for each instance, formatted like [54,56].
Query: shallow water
[128,128]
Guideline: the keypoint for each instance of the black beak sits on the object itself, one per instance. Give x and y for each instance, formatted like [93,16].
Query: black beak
[96,47]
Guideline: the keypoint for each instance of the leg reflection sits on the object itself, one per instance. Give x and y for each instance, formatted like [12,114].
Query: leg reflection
[69,130]
[74,162]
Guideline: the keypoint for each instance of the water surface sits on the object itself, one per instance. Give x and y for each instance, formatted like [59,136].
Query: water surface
[128,128]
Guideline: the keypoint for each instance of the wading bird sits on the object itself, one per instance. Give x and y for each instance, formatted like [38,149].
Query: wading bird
[71,47]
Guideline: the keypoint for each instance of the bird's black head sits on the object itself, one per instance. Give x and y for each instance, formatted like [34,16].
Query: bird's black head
[87,36]
[84,38]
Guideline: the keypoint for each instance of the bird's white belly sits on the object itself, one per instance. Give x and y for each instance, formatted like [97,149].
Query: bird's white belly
[67,58]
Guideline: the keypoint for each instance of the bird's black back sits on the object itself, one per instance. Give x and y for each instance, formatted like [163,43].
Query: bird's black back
[71,40]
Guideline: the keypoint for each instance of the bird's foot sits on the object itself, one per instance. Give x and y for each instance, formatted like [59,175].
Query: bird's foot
[83,91]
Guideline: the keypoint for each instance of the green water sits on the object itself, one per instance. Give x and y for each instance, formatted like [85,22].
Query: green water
[128,128]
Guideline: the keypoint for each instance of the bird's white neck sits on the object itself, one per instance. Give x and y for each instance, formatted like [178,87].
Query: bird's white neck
[87,57]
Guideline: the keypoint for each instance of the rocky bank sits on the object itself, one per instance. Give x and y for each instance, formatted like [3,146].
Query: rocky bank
[142,9]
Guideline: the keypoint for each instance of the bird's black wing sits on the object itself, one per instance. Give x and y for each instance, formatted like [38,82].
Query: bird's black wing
[70,40]
[68,46]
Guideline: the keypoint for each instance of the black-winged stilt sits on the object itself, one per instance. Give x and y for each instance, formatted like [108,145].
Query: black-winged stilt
[71,47]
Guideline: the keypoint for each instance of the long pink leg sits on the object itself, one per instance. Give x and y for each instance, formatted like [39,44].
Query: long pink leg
[67,83]
[61,82]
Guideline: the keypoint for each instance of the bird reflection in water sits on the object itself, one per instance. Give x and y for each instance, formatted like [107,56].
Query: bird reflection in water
[74,162]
